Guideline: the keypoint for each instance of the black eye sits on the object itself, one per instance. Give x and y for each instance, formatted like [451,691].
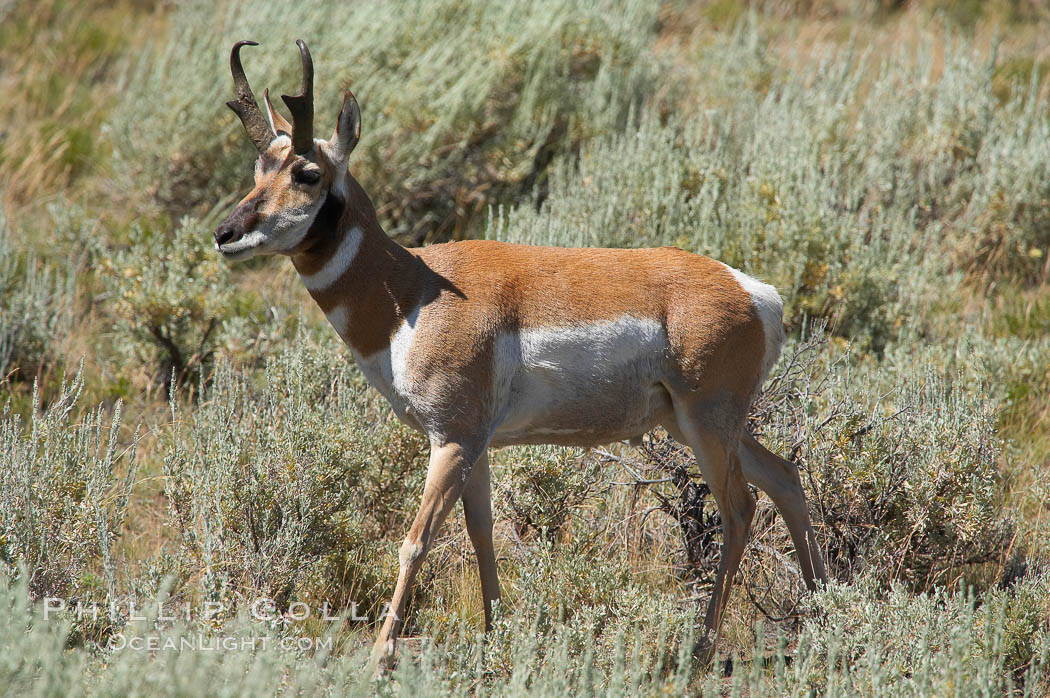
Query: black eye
[306,176]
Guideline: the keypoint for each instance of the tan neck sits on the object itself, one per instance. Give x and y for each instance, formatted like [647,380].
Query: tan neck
[380,285]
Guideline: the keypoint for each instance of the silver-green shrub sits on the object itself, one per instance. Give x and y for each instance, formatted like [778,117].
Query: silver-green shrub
[863,641]
[903,474]
[870,640]
[36,310]
[64,488]
[170,298]
[294,486]
[539,487]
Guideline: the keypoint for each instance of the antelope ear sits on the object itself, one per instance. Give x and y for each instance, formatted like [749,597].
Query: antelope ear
[347,129]
[278,124]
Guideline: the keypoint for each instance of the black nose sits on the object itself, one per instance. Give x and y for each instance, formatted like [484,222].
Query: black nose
[227,233]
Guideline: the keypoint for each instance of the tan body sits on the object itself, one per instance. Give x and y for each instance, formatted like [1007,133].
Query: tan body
[481,344]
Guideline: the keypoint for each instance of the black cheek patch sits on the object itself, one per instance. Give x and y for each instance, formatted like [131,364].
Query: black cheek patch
[327,219]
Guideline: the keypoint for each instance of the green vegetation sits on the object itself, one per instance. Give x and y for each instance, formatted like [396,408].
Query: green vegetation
[180,432]
[36,304]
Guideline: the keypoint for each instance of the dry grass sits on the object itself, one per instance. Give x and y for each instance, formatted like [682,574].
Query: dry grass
[59,63]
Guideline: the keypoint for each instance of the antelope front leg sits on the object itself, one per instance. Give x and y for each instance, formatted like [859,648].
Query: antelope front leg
[447,475]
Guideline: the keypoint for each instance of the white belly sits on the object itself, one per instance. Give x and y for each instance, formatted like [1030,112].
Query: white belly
[584,384]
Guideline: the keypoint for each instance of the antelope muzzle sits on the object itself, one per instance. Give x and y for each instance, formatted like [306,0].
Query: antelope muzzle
[242,220]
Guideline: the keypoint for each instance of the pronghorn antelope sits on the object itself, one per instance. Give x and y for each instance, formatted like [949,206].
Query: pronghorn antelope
[482,343]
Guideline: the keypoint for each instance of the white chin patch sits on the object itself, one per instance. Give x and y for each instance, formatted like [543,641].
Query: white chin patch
[244,248]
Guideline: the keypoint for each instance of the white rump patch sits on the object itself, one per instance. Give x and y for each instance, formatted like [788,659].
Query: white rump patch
[770,308]
[338,264]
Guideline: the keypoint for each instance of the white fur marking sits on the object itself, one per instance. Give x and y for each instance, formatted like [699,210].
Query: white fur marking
[547,376]
[590,348]
[244,248]
[337,316]
[338,264]
[269,117]
[376,368]
[400,346]
[770,310]
[386,370]
[302,220]
[339,186]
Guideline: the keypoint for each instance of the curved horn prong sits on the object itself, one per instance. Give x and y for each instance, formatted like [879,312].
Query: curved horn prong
[302,105]
[245,105]
[277,121]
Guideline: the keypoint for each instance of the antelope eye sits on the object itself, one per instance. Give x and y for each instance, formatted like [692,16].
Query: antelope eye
[306,176]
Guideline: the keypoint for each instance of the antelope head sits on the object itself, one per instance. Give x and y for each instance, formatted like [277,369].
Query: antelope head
[295,174]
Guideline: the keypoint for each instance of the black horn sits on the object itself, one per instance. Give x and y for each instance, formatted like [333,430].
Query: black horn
[245,105]
[302,105]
